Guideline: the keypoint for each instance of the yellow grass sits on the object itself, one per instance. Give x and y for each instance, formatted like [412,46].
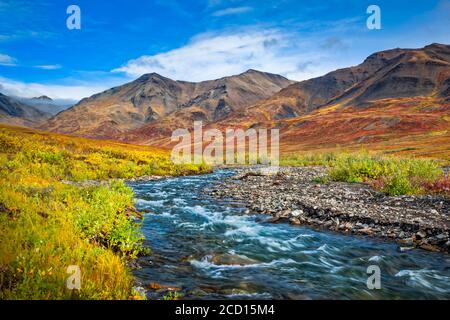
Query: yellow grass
[48,223]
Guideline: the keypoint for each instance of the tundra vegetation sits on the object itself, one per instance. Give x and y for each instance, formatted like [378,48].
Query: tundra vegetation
[62,202]
[394,175]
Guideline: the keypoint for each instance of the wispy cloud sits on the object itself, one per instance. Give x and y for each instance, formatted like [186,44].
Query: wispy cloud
[214,55]
[6,60]
[66,92]
[333,43]
[48,67]
[231,11]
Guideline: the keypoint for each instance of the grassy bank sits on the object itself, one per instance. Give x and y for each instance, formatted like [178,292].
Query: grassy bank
[392,175]
[48,224]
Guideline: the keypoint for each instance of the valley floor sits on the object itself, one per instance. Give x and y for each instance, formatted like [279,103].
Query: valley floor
[55,212]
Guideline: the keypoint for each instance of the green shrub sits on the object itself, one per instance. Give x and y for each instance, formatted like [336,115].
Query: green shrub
[399,175]
[392,175]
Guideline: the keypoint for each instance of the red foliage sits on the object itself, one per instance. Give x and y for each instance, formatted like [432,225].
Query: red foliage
[378,183]
[440,186]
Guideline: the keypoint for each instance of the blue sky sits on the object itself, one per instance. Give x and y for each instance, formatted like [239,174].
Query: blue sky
[197,39]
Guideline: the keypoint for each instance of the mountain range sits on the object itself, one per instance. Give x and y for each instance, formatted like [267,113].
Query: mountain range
[29,112]
[153,98]
[47,104]
[392,94]
[387,74]
[396,99]
[15,112]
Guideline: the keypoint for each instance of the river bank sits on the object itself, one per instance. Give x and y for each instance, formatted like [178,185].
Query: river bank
[294,195]
[61,205]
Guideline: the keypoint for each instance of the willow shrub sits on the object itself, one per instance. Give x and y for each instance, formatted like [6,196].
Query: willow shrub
[395,176]
[392,175]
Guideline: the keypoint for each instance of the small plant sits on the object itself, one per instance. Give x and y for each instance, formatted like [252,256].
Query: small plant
[441,186]
[321,180]
[172,295]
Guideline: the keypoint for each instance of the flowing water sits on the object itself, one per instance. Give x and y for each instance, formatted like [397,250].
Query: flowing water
[211,249]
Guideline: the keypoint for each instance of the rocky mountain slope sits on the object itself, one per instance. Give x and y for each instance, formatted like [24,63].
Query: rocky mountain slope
[152,98]
[395,73]
[396,99]
[15,112]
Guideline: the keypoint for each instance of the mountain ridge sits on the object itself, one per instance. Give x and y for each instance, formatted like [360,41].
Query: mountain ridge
[409,77]
[152,97]
[344,86]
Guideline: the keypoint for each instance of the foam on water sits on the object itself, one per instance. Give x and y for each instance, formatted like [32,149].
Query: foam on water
[423,278]
[375,258]
[205,263]
[149,203]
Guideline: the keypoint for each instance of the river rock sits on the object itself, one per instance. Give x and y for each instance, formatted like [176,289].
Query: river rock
[421,235]
[232,259]
[296,213]
[157,286]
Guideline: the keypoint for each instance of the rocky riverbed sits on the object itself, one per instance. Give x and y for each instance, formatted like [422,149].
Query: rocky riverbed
[293,195]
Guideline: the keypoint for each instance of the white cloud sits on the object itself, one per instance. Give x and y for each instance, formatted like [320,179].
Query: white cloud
[29,90]
[231,11]
[6,60]
[48,66]
[214,55]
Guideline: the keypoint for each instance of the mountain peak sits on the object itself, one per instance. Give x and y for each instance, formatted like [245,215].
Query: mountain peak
[436,45]
[258,74]
[43,98]
[250,71]
[149,76]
